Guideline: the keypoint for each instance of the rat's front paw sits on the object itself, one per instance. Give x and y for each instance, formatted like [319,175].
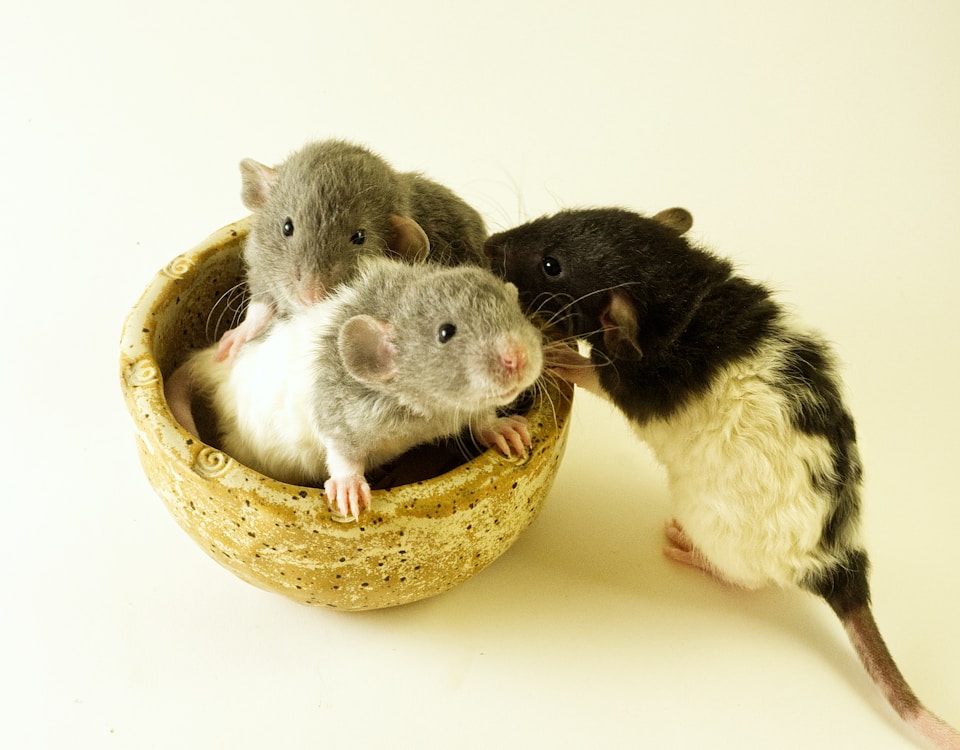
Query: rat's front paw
[508,434]
[568,364]
[230,343]
[348,494]
[259,314]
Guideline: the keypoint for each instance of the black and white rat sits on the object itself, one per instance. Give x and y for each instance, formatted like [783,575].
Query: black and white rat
[401,355]
[328,205]
[740,402]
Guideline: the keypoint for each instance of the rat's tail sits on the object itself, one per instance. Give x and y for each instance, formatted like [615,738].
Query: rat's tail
[850,599]
[178,391]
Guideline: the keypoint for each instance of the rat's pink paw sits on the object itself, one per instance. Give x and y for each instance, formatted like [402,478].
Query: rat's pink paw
[509,434]
[348,494]
[568,364]
[678,543]
[230,343]
[682,550]
[258,315]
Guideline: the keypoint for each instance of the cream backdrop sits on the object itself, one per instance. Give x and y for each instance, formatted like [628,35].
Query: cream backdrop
[816,143]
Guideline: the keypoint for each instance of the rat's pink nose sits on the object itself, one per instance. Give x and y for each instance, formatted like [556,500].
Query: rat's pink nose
[513,357]
[311,291]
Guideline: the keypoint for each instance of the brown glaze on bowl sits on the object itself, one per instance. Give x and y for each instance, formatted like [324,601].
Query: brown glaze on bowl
[416,541]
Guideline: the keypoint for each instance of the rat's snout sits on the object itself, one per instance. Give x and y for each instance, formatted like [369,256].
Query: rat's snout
[311,290]
[515,364]
[520,357]
[513,357]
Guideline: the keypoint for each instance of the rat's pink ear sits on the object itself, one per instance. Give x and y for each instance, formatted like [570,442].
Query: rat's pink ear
[678,219]
[258,182]
[367,350]
[409,241]
[620,327]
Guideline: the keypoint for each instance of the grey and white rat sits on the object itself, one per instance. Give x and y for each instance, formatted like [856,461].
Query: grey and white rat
[324,208]
[401,355]
[740,402]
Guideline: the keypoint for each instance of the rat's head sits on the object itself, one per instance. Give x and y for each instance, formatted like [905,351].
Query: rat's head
[318,214]
[441,338]
[584,272]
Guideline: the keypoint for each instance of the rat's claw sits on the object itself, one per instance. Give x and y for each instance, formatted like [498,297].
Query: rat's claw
[523,436]
[349,494]
[509,434]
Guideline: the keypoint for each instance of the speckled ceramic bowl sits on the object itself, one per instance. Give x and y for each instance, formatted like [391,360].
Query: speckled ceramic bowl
[417,540]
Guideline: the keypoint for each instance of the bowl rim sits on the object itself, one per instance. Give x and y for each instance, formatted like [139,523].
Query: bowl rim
[142,383]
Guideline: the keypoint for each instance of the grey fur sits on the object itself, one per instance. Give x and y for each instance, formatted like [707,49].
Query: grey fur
[353,381]
[436,388]
[331,189]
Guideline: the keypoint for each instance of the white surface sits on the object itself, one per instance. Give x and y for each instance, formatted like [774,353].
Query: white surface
[817,143]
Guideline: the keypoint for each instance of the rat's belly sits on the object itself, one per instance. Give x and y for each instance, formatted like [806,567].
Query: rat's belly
[741,477]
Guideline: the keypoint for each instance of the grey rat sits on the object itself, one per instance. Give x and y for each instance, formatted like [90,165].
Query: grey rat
[324,208]
[738,400]
[401,355]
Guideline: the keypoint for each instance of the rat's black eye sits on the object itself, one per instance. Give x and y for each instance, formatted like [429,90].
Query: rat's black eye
[359,237]
[288,227]
[551,266]
[446,332]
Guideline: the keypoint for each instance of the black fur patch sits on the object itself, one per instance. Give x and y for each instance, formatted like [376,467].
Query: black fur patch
[809,373]
[694,316]
[809,380]
[845,586]
[732,318]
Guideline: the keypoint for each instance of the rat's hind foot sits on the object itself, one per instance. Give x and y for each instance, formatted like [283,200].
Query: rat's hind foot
[682,550]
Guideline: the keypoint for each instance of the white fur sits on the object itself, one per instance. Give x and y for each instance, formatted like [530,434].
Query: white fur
[261,400]
[740,476]
[265,402]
